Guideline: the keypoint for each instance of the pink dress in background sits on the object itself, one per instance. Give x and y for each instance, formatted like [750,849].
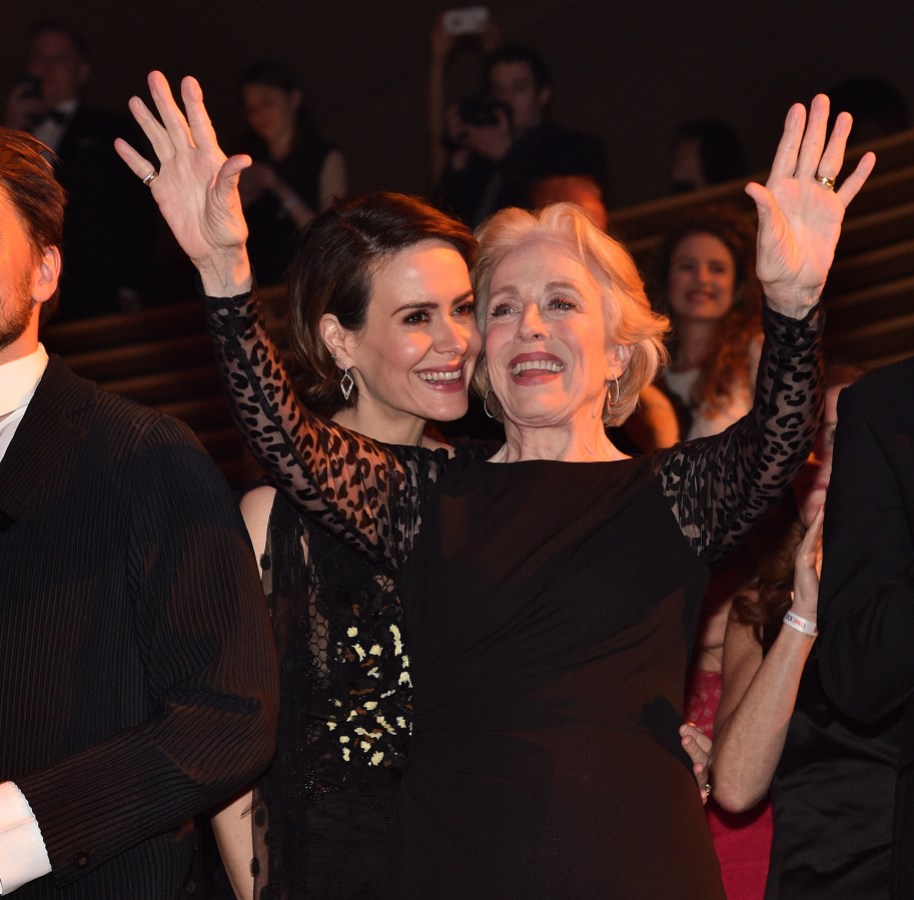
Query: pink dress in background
[742,841]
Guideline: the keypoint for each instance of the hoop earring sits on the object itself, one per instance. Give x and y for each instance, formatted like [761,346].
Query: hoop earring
[347,383]
[485,406]
[610,400]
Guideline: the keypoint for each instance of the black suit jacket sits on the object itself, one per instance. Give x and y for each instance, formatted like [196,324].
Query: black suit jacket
[109,225]
[138,682]
[866,607]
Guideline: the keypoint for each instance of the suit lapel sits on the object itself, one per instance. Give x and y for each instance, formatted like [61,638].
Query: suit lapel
[53,423]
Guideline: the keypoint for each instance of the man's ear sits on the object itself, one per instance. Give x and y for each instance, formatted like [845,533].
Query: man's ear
[46,275]
[544,96]
[338,340]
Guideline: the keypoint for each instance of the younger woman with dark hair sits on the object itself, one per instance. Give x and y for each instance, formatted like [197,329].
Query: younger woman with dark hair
[386,273]
[295,174]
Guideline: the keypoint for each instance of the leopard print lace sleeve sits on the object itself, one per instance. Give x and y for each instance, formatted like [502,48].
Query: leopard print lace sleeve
[721,485]
[369,494]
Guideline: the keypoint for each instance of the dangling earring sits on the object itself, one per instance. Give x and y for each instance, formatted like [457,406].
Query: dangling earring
[347,382]
[485,406]
[610,400]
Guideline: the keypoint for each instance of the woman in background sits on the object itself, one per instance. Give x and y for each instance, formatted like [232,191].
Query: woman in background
[832,780]
[295,175]
[704,279]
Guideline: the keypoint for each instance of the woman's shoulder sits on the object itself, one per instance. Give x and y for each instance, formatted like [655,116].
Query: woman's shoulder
[256,508]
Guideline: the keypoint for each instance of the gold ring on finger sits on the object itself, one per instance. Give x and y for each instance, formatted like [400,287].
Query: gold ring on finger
[826,182]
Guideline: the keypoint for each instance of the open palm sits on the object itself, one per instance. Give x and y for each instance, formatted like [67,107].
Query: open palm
[197,185]
[799,216]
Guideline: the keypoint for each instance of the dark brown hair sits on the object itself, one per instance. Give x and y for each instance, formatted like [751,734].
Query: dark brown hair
[332,272]
[27,178]
[728,364]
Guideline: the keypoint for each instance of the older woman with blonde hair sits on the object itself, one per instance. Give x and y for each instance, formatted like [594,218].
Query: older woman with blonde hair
[628,318]
[550,592]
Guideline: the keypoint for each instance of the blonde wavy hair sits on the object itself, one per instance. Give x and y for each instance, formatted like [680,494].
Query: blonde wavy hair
[630,321]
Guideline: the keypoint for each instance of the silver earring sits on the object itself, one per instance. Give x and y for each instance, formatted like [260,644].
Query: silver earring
[485,406]
[612,401]
[347,383]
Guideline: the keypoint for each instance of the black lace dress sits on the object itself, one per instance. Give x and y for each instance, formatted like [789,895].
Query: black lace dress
[322,812]
[549,608]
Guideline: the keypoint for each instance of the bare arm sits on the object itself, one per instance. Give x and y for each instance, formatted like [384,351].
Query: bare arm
[333,182]
[232,824]
[232,829]
[759,694]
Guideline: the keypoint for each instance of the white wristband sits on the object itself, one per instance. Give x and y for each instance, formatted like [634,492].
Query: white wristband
[798,623]
[292,201]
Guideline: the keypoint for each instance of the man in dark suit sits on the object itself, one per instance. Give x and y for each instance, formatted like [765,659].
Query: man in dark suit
[138,683]
[866,606]
[109,228]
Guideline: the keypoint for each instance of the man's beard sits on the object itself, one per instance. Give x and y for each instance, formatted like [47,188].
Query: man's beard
[16,312]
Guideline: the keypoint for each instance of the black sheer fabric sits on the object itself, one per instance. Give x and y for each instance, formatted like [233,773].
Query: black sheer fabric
[371,495]
[322,812]
[532,719]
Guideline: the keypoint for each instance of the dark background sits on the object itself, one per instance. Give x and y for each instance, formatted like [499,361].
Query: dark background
[627,72]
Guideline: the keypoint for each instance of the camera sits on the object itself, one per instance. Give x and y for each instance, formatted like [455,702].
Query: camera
[482,110]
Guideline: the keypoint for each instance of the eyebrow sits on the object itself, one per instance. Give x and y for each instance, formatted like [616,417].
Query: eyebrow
[429,304]
[511,290]
[567,285]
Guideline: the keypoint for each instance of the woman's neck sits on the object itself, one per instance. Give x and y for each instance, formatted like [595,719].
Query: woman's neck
[405,430]
[281,146]
[585,442]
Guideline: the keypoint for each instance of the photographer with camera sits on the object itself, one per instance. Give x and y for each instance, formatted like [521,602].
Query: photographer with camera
[499,144]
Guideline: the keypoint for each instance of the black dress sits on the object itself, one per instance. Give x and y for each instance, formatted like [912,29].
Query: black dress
[323,811]
[549,607]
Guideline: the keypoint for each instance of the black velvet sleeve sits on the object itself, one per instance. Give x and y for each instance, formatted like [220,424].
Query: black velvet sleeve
[721,486]
[367,493]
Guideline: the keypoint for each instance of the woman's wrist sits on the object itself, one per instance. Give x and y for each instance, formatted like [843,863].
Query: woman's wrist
[794,305]
[291,201]
[800,623]
[226,274]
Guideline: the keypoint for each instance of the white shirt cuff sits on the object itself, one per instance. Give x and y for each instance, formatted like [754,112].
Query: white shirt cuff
[23,856]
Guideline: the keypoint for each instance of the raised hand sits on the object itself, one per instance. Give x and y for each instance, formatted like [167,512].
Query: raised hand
[196,188]
[808,569]
[800,213]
